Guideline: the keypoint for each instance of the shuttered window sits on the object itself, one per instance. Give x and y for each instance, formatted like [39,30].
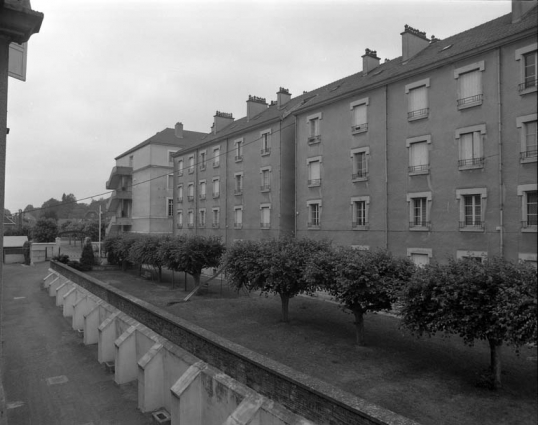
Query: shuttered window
[418,157]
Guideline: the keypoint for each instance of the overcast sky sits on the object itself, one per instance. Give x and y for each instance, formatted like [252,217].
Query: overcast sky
[104,75]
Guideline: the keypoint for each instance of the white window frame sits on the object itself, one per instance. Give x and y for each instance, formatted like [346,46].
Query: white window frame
[469,103]
[171,158]
[203,189]
[190,192]
[314,182]
[355,177]
[215,223]
[476,162]
[215,194]
[180,164]
[265,187]
[265,137]
[263,207]
[521,123]
[190,218]
[522,190]
[528,257]
[421,113]
[169,207]
[361,247]
[460,193]
[179,220]
[420,251]
[192,163]
[519,56]
[310,224]
[314,137]
[202,218]
[202,155]
[354,221]
[170,186]
[462,253]
[131,161]
[180,192]
[238,149]
[237,224]
[411,206]
[216,156]
[239,191]
[357,128]
[424,169]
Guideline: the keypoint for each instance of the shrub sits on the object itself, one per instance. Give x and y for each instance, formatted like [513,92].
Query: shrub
[87,258]
[45,230]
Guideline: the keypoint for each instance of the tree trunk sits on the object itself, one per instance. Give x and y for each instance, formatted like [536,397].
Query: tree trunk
[285,302]
[160,274]
[495,354]
[359,326]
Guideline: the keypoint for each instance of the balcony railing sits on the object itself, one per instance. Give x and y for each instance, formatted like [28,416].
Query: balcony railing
[363,174]
[191,170]
[471,161]
[420,224]
[314,182]
[202,166]
[314,139]
[469,224]
[266,151]
[179,225]
[471,100]
[180,199]
[216,164]
[313,224]
[238,191]
[180,173]
[529,154]
[215,224]
[201,224]
[190,225]
[216,194]
[533,222]
[238,158]
[190,198]
[265,187]
[238,225]
[419,113]
[359,128]
[357,224]
[265,225]
[528,84]
[423,168]
[202,195]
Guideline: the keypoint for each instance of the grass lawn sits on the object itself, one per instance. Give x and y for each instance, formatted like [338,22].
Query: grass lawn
[430,380]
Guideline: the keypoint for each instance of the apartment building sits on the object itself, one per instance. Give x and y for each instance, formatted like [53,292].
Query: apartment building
[142,183]
[432,154]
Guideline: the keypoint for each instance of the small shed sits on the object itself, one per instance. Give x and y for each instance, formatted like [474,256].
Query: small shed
[13,249]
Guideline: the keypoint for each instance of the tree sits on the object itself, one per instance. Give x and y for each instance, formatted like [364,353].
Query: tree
[272,266]
[361,281]
[87,259]
[146,250]
[494,300]
[50,209]
[66,206]
[45,230]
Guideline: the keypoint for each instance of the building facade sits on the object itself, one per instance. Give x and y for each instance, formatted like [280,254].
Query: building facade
[142,183]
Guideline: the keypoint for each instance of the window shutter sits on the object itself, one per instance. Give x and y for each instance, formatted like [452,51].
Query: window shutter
[530,136]
[418,99]
[466,146]
[315,170]
[359,115]
[420,259]
[419,154]
[477,145]
[470,84]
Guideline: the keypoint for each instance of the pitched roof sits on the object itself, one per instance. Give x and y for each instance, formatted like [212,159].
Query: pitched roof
[168,137]
[14,241]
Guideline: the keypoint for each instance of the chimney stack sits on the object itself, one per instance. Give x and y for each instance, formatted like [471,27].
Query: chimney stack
[520,8]
[413,42]
[222,119]
[179,130]
[255,106]
[283,97]
[370,61]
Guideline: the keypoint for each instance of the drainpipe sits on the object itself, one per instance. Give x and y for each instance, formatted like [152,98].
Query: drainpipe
[386,173]
[501,182]
[195,192]
[224,185]
[295,212]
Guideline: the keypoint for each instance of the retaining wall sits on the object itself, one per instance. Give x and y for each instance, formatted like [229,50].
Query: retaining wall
[196,375]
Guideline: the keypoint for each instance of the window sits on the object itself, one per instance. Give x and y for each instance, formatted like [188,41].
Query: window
[202,189]
[417,99]
[419,256]
[472,209]
[215,220]
[359,158]
[180,193]
[201,217]
[359,121]
[170,181]
[529,207]
[171,158]
[359,212]
[238,217]
[314,171]
[169,207]
[191,164]
[529,258]
[190,194]
[470,141]
[266,142]
[265,216]
[478,256]
[179,219]
[216,187]
[528,68]
[238,190]
[527,131]
[314,214]
[180,167]
[131,160]
[313,123]
[239,150]
[190,217]
[361,247]
[216,157]
[202,160]
[469,85]
[419,161]
[265,179]
[419,211]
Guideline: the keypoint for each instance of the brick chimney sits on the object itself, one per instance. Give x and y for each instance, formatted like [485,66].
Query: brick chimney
[255,105]
[370,61]
[520,8]
[222,119]
[283,97]
[413,42]
[179,130]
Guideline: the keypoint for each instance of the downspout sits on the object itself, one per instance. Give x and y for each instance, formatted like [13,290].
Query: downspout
[224,185]
[501,182]
[386,172]
[295,211]
[195,193]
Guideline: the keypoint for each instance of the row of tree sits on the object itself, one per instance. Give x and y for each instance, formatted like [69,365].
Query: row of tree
[47,230]
[494,300]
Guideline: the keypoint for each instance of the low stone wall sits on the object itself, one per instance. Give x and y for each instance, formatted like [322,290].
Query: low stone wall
[309,397]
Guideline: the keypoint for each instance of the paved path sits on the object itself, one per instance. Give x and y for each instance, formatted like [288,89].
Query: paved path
[49,376]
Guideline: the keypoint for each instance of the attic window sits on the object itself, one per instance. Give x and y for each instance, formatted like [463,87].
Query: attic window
[233,125]
[446,47]
[335,87]
[378,72]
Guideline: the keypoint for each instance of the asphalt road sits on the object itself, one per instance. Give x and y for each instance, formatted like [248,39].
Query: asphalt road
[50,377]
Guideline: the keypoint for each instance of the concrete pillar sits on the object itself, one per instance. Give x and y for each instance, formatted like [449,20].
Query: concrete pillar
[107,336]
[70,299]
[49,278]
[53,286]
[151,379]
[61,291]
[186,397]
[246,411]
[125,355]
[81,308]
[91,324]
